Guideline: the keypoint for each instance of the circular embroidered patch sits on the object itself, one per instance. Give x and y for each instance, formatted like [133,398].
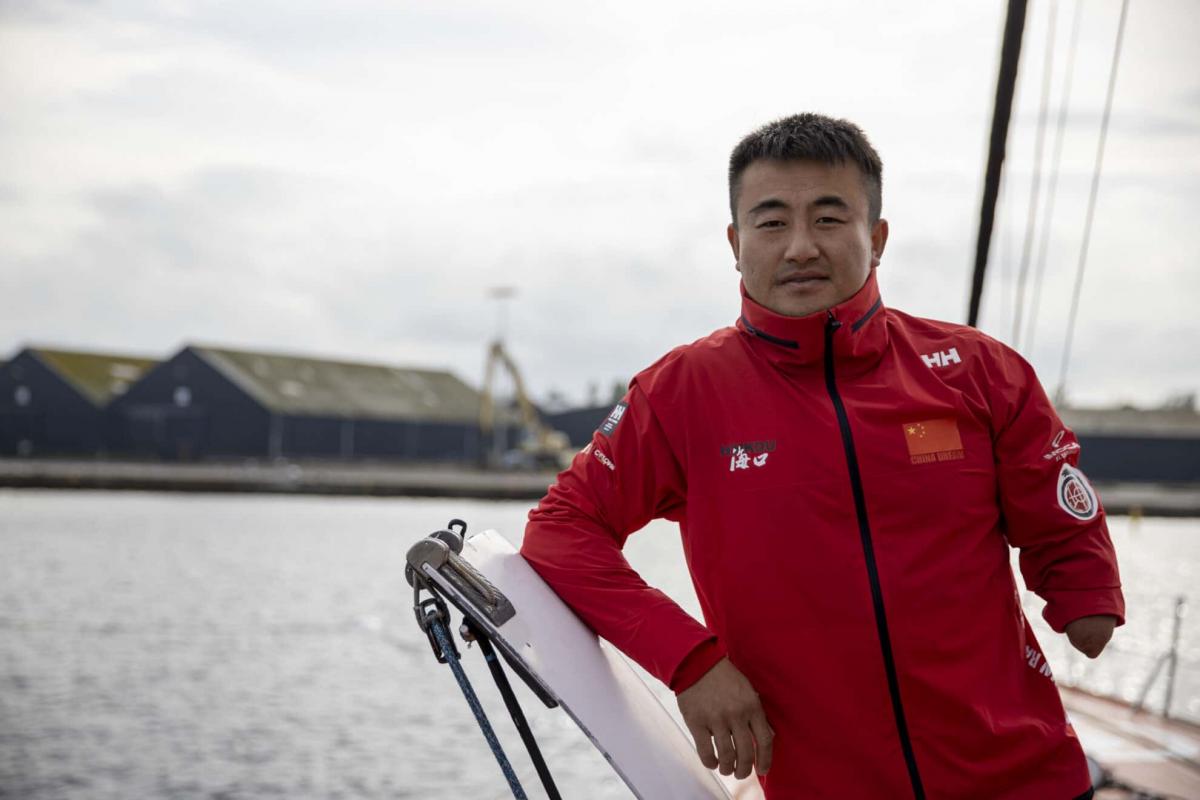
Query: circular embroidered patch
[1075,494]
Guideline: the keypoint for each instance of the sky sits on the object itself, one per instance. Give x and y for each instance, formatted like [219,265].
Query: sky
[349,180]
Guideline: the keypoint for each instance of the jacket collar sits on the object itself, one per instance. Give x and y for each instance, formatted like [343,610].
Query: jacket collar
[860,337]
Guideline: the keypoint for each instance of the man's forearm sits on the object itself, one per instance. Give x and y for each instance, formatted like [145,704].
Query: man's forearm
[585,567]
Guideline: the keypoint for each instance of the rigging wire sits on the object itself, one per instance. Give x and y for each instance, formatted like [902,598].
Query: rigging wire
[1035,189]
[1039,270]
[1060,392]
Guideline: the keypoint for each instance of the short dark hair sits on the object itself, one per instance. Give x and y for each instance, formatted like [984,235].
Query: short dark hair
[809,137]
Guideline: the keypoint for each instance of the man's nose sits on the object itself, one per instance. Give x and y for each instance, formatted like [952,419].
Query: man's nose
[802,246]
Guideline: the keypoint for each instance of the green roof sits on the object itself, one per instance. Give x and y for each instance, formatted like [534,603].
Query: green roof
[298,385]
[100,377]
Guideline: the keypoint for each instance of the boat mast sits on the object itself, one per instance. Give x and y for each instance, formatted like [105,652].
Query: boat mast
[1010,55]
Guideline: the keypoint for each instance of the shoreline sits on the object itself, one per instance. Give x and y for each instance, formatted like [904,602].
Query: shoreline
[383,479]
[373,479]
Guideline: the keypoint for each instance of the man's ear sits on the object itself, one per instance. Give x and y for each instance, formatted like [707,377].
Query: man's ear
[879,237]
[731,233]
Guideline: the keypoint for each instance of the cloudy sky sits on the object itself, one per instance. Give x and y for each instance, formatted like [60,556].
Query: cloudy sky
[349,179]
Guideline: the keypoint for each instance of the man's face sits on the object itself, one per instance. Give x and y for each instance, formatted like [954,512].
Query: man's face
[804,242]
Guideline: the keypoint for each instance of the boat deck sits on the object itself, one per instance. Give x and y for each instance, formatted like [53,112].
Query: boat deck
[1142,751]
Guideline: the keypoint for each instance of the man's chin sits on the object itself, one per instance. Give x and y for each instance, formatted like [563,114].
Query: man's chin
[789,305]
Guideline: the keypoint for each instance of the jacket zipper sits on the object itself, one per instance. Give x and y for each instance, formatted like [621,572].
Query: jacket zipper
[864,532]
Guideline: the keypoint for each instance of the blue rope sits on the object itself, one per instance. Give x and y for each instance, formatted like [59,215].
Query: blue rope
[443,640]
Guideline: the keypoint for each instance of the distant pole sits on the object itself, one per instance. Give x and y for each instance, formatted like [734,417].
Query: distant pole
[275,437]
[1006,83]
[501,294]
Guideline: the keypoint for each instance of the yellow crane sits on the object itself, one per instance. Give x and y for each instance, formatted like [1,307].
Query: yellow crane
[541,445]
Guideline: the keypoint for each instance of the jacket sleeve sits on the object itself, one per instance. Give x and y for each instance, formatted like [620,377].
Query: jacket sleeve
[1050,510]
[625,477]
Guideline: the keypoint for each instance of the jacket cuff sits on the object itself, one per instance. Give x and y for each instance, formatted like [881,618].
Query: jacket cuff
[695,664]
[1064,606]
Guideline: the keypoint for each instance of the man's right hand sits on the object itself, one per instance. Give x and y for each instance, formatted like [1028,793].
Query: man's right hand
[723,708]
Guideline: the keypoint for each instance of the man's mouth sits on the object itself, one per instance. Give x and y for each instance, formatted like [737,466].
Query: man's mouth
[802,279]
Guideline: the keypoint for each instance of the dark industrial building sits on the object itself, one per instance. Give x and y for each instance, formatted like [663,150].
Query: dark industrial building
[54,402]
[211,402]
[579,423]
[207,402]
[1142,446]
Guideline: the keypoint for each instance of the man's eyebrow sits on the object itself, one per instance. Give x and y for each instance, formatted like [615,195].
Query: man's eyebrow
[826,200]
[831,200]
[767,205]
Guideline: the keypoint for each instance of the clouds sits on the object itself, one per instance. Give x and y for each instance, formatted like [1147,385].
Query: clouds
[349,180]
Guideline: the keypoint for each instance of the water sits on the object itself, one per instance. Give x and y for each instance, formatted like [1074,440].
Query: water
[1159,561]
[211,646]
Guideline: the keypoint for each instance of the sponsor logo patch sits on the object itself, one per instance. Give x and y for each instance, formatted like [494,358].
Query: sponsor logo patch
[614,418]
[933,440]
[1058,450]
[603,459]
[744,455]
[1075,494]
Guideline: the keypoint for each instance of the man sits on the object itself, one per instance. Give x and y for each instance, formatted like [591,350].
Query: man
[846,479]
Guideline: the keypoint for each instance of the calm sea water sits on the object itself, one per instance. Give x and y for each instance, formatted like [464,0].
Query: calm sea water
[209,646]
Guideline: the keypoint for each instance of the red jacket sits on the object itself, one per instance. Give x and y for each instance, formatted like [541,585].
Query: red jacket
[847,485]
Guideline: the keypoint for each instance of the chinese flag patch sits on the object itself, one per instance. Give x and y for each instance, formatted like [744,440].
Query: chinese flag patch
[933,440]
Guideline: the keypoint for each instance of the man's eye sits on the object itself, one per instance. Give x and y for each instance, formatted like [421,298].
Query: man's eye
[771,223]
[829,221]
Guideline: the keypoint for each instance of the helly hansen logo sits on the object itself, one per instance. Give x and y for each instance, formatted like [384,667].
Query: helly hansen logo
[614,418]
[933,440]
[943,358]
